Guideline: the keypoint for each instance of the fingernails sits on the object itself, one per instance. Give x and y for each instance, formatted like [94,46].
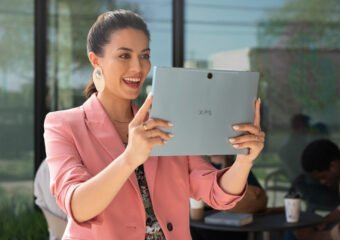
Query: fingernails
[235,145]
[171,135]
[165,141]
[231,140]
[150,94]
[170,124]
[236,127]
[259,100]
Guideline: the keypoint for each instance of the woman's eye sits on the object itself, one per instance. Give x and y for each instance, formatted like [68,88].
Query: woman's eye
[125,56]
[146,56]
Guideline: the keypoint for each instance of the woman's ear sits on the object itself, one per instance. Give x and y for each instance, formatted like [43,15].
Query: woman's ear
[93,59]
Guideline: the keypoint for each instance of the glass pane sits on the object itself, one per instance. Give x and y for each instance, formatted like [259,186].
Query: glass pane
[16,100]
[18,217]
[295,47]
[69,69]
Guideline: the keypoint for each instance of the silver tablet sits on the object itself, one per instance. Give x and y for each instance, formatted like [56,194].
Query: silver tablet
[203,105]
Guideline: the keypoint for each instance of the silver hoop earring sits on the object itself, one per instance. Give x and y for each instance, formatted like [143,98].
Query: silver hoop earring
[98,79]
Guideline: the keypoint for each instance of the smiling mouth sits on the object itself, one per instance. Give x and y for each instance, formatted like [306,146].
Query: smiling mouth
[132,82]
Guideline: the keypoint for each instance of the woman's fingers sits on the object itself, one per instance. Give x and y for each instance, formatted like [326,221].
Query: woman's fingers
[257,116]
[246,127]
[153,123]
[246,138]
[142,112]
[157,141]
[149,133]
[254,141]
[158,133]
[253,146]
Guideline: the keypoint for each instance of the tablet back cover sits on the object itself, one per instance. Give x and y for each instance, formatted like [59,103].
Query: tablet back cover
[202,109]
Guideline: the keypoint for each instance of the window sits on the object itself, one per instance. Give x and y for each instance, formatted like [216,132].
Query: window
[295,47]
[16,99]
[69,69]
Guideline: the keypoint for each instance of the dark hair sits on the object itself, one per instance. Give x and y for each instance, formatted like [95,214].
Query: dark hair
[318,155]
[101,31]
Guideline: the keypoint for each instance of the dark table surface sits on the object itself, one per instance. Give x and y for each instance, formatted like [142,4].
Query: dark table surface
[268,222]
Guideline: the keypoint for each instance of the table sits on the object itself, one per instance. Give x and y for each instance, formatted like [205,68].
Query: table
[263,223]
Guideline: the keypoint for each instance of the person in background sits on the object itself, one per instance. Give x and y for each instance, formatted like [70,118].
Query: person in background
[321,159]
[316,195]
[291,151]
[55,217]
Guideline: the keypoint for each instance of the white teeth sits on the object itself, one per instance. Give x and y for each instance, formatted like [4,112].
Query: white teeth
[132,79]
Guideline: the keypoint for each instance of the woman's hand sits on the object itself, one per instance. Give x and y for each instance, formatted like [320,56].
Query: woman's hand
[143,136]
[254,140]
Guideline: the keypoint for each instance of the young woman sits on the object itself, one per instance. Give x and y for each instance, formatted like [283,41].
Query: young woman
[98,153]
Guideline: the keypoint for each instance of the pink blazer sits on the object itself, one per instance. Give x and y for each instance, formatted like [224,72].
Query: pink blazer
[82,141]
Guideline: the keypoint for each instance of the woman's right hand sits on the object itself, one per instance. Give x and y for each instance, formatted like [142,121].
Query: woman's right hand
[143,136]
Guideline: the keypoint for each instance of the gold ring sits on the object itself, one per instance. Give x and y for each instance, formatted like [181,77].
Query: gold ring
[144,126]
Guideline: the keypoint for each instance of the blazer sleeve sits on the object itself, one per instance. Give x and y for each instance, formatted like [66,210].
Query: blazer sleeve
[204,185]
[66,169]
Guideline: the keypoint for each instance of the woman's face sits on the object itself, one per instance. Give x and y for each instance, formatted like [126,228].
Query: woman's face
[125,63]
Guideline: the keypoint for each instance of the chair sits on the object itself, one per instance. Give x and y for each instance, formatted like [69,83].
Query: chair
[56,225]
[277,185]
[55,217]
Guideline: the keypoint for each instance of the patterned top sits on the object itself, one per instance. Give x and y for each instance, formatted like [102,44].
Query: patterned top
[153,230]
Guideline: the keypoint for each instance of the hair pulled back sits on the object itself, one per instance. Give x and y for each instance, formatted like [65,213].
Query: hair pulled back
[101,31]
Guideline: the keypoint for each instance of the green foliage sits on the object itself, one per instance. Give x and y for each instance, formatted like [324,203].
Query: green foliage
[302,23]
[16,77]
[316,95]
[82,16]
[20,220]
[16,169]
[16,37]
[298,61]
[260,173]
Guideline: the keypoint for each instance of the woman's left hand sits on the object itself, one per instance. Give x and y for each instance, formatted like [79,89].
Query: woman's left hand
[253,140]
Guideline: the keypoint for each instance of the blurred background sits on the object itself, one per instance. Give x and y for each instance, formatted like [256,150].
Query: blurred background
[294,44]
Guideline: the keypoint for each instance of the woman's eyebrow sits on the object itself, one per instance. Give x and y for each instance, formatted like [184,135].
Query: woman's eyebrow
[146,49]
[130,50]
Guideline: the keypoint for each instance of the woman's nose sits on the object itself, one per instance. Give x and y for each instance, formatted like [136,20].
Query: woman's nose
[135,65]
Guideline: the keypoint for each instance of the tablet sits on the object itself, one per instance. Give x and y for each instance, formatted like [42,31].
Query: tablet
[203,105]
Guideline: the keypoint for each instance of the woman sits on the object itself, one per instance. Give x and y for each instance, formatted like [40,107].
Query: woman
[98,153]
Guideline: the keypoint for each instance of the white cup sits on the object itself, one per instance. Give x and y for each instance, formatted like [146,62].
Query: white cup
[196,209]
[292,208]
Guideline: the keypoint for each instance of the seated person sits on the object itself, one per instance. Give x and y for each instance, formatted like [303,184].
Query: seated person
[55,217]
[317,196]
[321,159]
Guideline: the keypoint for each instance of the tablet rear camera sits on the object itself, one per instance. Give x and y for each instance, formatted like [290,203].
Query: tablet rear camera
[210,75]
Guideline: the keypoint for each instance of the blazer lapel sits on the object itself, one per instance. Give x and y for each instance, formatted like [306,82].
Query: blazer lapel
[104,131]
[101,127]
